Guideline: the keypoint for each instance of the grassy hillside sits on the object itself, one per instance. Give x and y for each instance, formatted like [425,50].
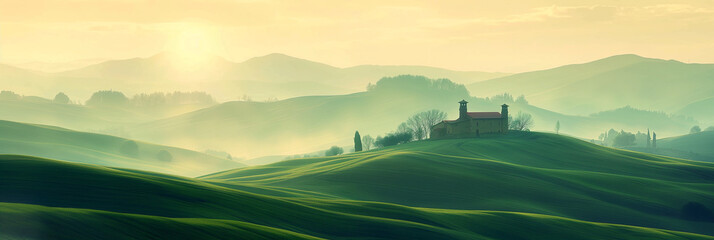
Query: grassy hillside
[59,143]
[699,143]
[45,198]
[696,146]
[24,221]
[607,84]
[527,172]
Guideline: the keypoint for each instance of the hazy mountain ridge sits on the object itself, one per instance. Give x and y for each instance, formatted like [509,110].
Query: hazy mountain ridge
[260,77]
[285,127]
[609,83]
[700,110]
[300,125]
[99,117]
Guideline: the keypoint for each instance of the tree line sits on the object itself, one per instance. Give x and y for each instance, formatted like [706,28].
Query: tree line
[118,99]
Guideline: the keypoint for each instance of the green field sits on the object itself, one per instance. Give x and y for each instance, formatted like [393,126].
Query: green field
[521,186]
[59,200]
[700,143]
[523,172]
[64,144]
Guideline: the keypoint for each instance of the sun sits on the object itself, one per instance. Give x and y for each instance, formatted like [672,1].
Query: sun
[192,47]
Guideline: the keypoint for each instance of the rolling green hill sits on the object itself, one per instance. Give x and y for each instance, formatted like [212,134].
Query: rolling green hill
[700,110]
[695,146]
[608,83]
[699,144]
[50,199]
[526,172]
[64,144]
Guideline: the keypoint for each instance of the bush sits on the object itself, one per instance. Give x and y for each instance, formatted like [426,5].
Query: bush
[9,96]
[393,139]
[107,98]
[61,98]
[695,129]
[419,84]
[334,151]
[624,139]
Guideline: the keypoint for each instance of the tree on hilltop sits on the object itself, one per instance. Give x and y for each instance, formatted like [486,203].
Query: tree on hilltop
[367,142]
[695,129]
[557,127]
[358,142]
[61,98]
[522,122]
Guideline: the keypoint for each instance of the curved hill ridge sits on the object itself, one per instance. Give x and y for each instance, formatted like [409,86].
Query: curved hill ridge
[82,147]
[53,198]
[646,83]
[526,172]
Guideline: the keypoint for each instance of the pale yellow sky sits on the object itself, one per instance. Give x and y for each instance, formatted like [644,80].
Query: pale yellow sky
[509,36]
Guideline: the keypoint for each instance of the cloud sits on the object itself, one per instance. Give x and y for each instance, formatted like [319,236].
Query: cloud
[666,9]
[222,12]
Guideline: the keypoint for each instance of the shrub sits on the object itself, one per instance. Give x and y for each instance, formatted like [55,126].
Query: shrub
[393,139]
[107,98]
[61,98]
[695,129]
[334,150]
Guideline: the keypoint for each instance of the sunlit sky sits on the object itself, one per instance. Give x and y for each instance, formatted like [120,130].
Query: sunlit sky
[507,36]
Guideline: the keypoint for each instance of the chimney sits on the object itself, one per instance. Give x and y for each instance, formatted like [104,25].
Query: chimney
[462,109]
[504,115]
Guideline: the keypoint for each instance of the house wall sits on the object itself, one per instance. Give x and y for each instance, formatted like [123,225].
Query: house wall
[468,128]
[487,126]
[458,128]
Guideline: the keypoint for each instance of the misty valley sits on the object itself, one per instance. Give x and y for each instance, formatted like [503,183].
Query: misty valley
[182,162]
[356,120]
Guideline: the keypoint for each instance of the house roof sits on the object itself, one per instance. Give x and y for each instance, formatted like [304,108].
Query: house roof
[484,114]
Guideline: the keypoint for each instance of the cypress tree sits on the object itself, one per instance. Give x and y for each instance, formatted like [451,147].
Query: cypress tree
[654,140]
[358,142]
[649,144]
[557,127]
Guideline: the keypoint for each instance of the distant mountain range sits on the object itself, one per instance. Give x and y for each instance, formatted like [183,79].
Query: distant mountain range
[613,82]
[271,76]
[580,89]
